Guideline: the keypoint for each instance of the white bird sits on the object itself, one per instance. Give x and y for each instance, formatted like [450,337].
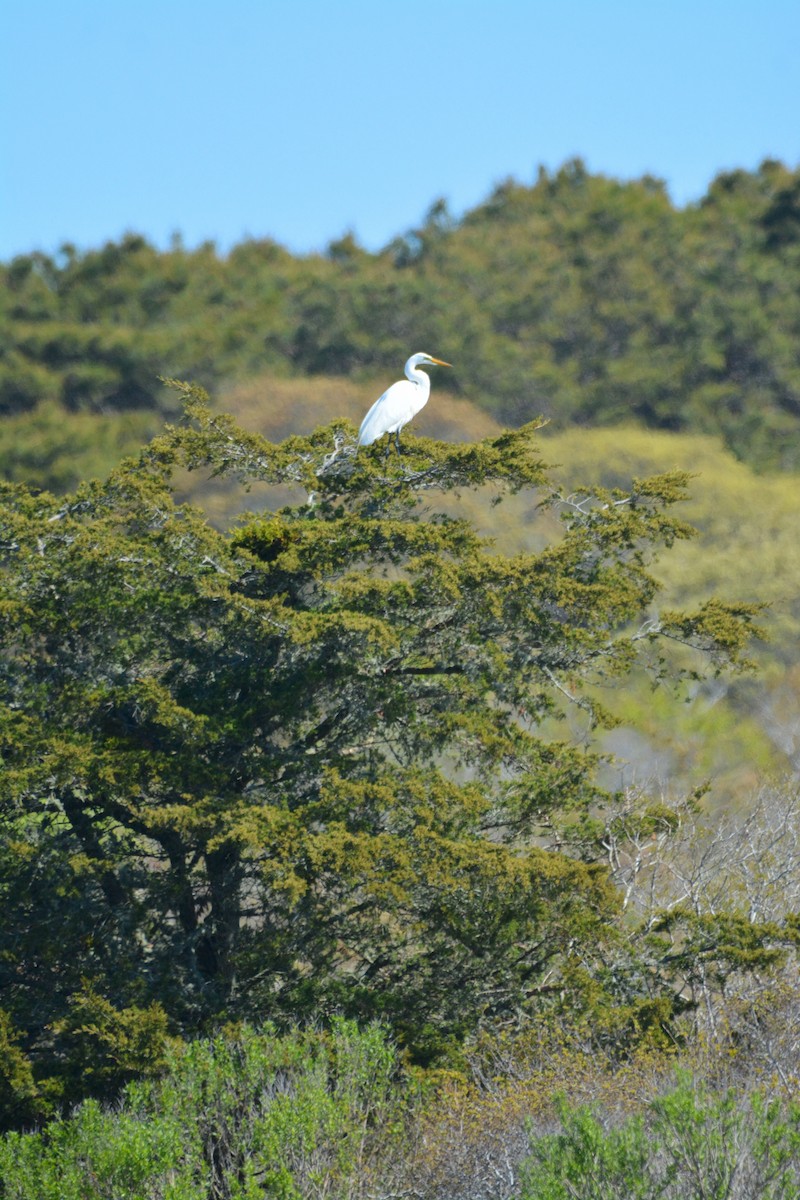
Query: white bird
[399,403]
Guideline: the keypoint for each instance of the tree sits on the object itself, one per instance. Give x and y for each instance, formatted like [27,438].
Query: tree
[303,766]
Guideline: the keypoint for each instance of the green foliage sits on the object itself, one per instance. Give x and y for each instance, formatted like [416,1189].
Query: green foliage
[246,1116]
[99,1155]
[579,297]
[589,1162]
[104,1047]
[308,1114]
[57,450]
[300,769]
[18,1091]
[689,1141]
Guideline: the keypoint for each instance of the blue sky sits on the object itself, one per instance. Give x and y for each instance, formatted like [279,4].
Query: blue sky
[302,119]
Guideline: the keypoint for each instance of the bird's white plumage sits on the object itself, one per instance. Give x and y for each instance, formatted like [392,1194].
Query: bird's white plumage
[399,403]
[393,410]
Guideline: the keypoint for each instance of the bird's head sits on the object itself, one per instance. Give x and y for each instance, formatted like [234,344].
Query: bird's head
[427,360]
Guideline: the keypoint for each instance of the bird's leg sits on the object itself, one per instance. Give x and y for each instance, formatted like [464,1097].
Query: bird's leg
[388,447]
[397,441]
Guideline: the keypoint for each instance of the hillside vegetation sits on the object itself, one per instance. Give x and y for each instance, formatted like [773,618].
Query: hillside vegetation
[580,298]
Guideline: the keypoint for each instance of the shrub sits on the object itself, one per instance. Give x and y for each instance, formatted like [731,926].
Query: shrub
[689,1142]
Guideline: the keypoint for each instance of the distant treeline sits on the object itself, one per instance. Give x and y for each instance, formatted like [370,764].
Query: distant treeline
[581,298]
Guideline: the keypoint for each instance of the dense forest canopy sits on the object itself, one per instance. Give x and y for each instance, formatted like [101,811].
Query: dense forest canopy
[580,298]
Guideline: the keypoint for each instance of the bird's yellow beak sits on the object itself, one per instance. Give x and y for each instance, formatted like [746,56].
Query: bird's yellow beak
[440,362]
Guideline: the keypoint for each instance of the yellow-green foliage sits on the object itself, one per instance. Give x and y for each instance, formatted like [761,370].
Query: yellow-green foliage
[104,1047]
[747,522]
[18,1090]
[56,449]
[747,546]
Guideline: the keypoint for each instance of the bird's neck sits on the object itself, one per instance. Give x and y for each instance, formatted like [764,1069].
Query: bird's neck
[417,376]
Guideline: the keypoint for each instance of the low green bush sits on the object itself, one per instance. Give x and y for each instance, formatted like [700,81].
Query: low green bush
[690,1142]
[239,1117]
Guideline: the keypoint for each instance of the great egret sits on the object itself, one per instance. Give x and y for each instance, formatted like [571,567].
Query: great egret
[399,403]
